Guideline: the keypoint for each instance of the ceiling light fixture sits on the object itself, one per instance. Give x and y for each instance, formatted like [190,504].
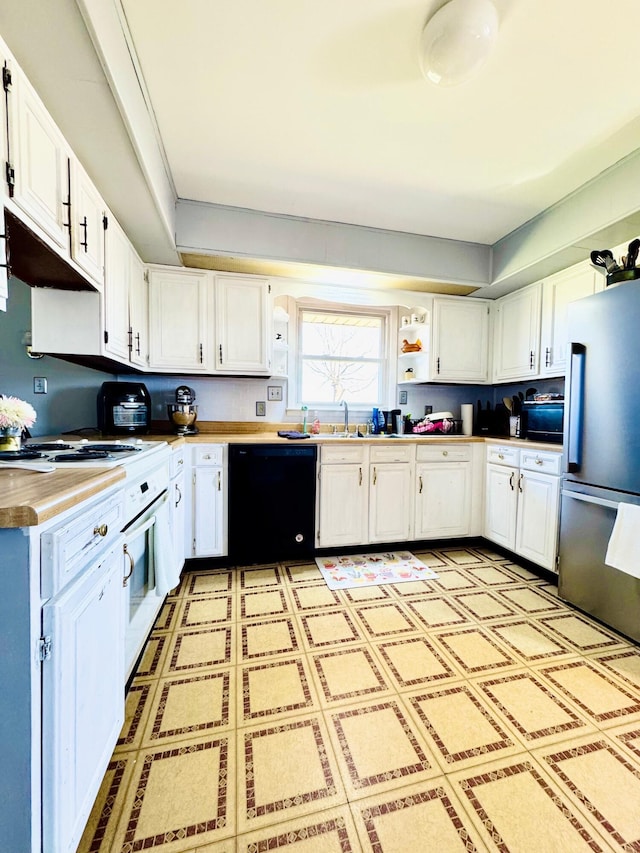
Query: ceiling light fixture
[457,40]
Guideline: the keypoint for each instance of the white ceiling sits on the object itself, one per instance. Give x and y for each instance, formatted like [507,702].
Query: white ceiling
[319,109]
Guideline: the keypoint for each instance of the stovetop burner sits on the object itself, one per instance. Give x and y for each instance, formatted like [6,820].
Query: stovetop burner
[108,448]
[20,454]
[48,445]
[82,456]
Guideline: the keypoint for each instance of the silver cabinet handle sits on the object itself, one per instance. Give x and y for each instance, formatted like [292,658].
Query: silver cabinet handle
[179,495]
[219,480]
[375,476]
[538,461]
[520,478]
[359,476]
[420,489]
[125,579]
[511,480]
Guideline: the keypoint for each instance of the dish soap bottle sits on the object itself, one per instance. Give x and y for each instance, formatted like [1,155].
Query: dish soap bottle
[304,419]
[315,425]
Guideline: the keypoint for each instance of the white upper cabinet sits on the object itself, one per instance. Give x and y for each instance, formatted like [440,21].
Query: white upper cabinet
[460,340]
[179,320]
[558,291]
[243,324]
[40,156]
[6,77]
[517,334]
[138,311]
[87,228]
[116,291]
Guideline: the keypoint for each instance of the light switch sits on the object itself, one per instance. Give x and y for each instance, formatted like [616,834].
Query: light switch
[39,385]
[274,392]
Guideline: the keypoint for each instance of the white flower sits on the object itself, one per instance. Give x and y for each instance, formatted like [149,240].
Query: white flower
[15,413]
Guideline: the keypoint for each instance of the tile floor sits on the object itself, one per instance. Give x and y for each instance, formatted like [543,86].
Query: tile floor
[473,712]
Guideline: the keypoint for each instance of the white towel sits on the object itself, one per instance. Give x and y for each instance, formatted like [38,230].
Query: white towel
[166,571]
[623,552]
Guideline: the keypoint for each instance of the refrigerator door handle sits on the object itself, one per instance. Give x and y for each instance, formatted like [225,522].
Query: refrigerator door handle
[576,407]
[578,496]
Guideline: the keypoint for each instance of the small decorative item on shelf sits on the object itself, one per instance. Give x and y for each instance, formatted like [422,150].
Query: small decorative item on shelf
[409,374]
[15,416]
[407,347]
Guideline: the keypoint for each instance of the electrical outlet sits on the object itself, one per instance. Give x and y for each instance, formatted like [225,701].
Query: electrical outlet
[39,385]
[261,408]
[274,392]
[402,398]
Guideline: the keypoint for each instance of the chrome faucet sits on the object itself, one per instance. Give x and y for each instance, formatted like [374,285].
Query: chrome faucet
[346,416]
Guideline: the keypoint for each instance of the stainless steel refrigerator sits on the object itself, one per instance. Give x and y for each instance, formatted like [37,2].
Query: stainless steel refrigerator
[602,453]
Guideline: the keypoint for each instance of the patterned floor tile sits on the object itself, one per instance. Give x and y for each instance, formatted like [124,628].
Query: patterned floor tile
[270,789]
[190,706]
[101,827]
[137,710]
[209,583]
[430,559]
[597,694]
[627,738]
[531,600]
[581,633]
[370,593]
[410,589]
[197,612]
[267,638]
[347,675]
[168,616]
[378,748]
[306,597]
[153,656]
[476,651]
[461,730]
[487,553]
[426,817]
[199,649]
[275,689]
[522,573]
[594,772]
[414,662]
[453,580]
[460,557]
[385,620]
[436,611]
[530,641]
[330,831]
[302,572]
[538,714]
[492,575]
[254,605]
[259,577]
[624,664]
[484,606]
[159,813]
[329,629]
[516,808]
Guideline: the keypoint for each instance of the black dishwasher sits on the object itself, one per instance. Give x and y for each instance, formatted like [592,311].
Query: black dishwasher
[272,500]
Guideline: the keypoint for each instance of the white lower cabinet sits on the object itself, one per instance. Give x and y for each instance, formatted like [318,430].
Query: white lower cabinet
[83,697]
[390,477]
[443,492]
[343,496]
[177,505]
[208,501]
[522,502]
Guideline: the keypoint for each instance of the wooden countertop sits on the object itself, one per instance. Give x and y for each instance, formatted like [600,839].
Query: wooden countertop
[29,498]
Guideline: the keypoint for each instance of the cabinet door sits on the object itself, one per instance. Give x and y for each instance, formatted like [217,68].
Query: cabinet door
[116,291]
[517,334]
[177,518]
[443,500]
[537,528]
[179,320]
[82,697]
[343,505]
[87,228]
[501,503]
[4,124]
[557,293]
[243,338]
[138,311]
[209,503]
[41,165]
[460,348]
[390,510]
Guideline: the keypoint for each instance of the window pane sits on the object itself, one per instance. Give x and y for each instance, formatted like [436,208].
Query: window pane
[329,381]
[341,336]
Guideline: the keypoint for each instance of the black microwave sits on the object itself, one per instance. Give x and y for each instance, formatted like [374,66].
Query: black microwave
[542,420]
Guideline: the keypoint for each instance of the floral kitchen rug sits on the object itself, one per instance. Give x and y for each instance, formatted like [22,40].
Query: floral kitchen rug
[373,569]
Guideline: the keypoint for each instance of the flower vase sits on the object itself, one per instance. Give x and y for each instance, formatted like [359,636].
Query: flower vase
[10,438]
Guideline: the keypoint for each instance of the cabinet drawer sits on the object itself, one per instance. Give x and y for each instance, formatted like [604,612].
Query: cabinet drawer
[208,454]
[391,453]
[342,453]
[177,462]
[450,453]
[501,454]
[68,549]
[538,460]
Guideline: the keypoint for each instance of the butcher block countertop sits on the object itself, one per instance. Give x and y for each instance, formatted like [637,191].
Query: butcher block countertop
[29,498]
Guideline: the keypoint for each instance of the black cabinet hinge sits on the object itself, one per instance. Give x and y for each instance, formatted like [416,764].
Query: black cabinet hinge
[6,78]
[106,336]
[105,222]
[10,174]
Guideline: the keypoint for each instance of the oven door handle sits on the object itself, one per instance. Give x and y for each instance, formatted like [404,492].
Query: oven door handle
[132,535]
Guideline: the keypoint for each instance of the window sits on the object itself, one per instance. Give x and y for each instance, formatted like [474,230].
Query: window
[342,355]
